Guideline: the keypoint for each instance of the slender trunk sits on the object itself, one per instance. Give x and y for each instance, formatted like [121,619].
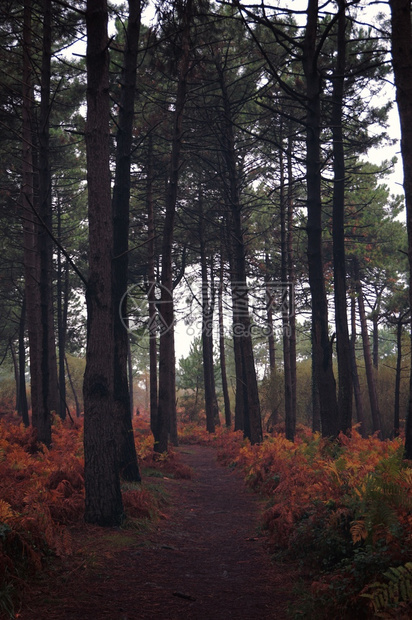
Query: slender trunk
[103,499]
[290,419]
[127,458]
[207,330]
[49,360]
[252,423]
[40,411]
[291,278]
[61,324]
[375,339]
[273,417]
[402,67]
[345,390]
[360,415]
[316,418]
[373,398]
[151,292]
[322,347]
[167,390]
[399,329]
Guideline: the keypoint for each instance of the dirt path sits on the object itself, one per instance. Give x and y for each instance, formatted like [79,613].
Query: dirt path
[206,561]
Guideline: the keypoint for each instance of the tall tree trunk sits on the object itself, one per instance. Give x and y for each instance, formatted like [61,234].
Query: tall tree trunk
[167,389]
[48,351]
[360,415]
[322,347]
[127,457]
[273,417]
[402,67]
[222,351]
[39,405]
[151,292]
[290,414]
[252,423]
[316,419]
[396,408]
[103,499]
[61,323]
[207,331]
[291,276]
[373,397]
[345,390]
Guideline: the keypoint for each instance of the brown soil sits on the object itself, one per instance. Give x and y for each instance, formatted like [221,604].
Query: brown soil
[206,560]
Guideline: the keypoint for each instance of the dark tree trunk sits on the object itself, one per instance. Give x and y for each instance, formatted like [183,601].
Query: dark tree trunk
[291,277]
[373,397]
[151,293]
[322,347]
[48,350]
[273,417]
[127,457]
[167,389]
[360,415]
[375,339]
[396,412]
[402,67]
[40,411]
[246,378]
[345,390]
[103,499]
[222,351]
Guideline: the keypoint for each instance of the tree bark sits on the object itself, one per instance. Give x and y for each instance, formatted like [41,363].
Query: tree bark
[127,458]
[61,319]
[40,411]
[246,379]
[373,397]
[151,292]
[360,415]
[103,500]
[402,66]
[396,408]
[48,351]
[167,389]
[322,347]
[345,389]
[211,408]
[291,277]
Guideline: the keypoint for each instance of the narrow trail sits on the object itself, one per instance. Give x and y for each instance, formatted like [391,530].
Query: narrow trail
[205,561]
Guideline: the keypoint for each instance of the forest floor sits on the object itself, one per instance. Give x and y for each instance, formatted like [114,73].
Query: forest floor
[204,560]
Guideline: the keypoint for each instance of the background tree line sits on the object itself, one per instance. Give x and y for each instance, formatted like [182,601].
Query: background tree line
[221,150]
